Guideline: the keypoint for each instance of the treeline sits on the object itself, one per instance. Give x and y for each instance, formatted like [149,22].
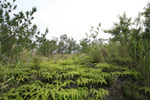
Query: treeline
[68,45]
[62,45]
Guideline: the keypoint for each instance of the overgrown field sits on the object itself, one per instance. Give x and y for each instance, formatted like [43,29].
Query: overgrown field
[75,78]
[33,67]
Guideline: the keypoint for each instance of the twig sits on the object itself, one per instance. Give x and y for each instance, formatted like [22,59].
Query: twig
[7,38]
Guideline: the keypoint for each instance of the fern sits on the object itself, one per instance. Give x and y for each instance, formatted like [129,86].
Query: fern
[147,89]
[102,65]
[73,94]
[47,75]
[101,81]
[22,78]
[131,72]
[70,67]
[116,73]
[67,82]
[86,59]
[34,91]
[83,91]
[63,84]
[62,80]
[83,81]
[70,74]
[66,62]
[100,93]
[57,82]
[33,71]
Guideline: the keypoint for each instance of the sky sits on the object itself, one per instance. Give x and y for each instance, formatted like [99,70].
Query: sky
[74,17]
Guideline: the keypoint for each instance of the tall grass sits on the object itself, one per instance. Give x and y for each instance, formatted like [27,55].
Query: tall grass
[144,60]
[8,64]
[4,77]
[113,52]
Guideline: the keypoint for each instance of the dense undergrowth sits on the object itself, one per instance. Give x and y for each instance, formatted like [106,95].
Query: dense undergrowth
[75,78]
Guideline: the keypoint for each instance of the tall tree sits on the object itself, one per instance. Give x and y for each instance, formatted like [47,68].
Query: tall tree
[48,47]
[17,29]
[62,44]
[91,40]
[70,44]
[85,45]
[121,31]
[146,23]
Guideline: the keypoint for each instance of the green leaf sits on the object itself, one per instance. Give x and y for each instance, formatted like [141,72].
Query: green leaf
[33,11]
[32,18]
[9,11]
[15,7]
[99,25]
[8,3]
[97,28]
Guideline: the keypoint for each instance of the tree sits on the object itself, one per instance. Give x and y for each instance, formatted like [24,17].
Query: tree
[71,43]
[121,31]
[62,45]
[146,14]
[84,45]
[48,47]
[76,48]
[127,33]
[91,40]
[17,29]
[67,45]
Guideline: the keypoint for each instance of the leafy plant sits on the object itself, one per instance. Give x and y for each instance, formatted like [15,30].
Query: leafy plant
[100,93]
[147,89]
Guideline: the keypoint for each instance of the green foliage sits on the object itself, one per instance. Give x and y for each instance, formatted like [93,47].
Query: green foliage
[67,45]
[146,21]
[47,47]
[90,41]
[17,29]
[121,31]
[63,80]
[134,92]
[36,61]
[131,91]
[100,93]
[85,45]
[147,89]
[126,35]
[134,39]
[86,59]
[95,53]
[25,76]
[144,60]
